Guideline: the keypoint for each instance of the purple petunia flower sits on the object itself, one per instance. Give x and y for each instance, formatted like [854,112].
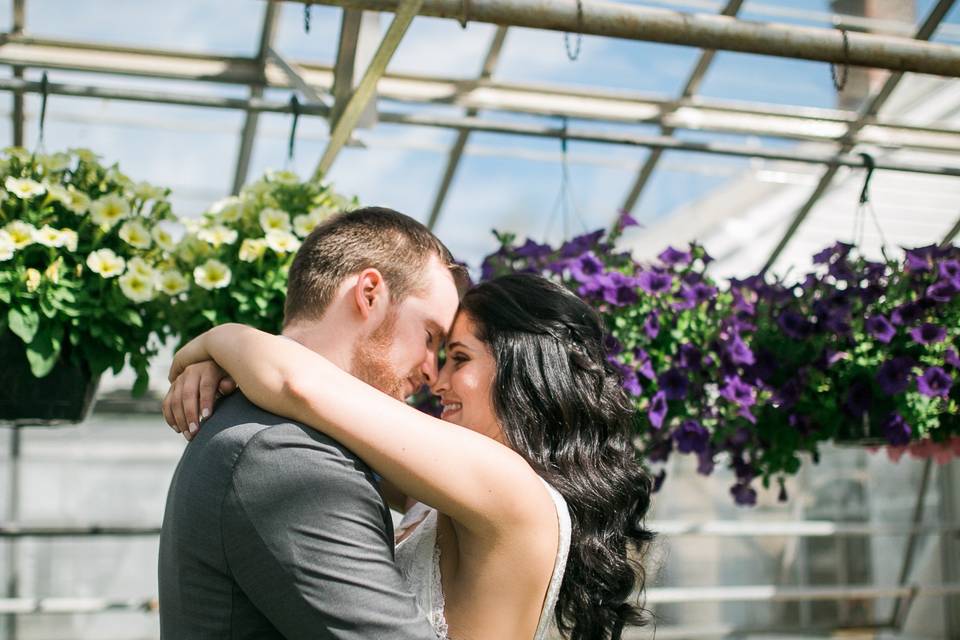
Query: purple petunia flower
[671,257]
[952,358]
[658,480]
[644,366]
[893,376]
[743,494]
[620,290]
[658,410]
[934,382]
[612,345]
[881,328]
[738,392]
[859,398]
[839,250]
[651,325]
[655,283]
[691,437]
[581,244]
[628,376]
[659,450]
[705,461]
[907,313]
[531,249]
[690,357]
[673,383]
[943,290]
[918,259]
[739,352]
[950,270]
[794,324]
[928,333]
[624,220]
[896,430]
[586,268]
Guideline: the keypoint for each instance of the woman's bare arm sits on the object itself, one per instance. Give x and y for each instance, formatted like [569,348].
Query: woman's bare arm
[483,485]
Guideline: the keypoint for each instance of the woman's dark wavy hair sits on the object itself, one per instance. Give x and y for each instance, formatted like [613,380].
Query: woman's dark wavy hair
[563,408]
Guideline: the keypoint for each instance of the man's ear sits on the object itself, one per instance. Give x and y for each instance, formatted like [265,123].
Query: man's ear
[370,293]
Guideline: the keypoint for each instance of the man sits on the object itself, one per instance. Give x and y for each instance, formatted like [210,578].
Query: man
[273,530]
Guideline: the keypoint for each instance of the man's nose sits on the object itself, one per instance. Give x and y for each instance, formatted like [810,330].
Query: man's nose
[429,369]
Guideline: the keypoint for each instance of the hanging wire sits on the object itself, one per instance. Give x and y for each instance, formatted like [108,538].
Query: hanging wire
[295,109]
[464,13]
[574,53]
[307,8]
[864,206]
[44,93]
[565,206]
[840,80]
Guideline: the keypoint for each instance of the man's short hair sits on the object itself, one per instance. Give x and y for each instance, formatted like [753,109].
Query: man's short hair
[394,244]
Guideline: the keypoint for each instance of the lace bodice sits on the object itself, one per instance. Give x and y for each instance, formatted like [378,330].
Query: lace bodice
[418,557]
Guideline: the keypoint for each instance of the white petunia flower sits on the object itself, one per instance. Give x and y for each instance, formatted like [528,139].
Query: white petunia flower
[141,267]
[85,155]
[212,274]
[77,202]
[7,248]
[55,162]
[283,177]
[274,220]
[172,282]
[147,191]
[282,241]
[22,233]
[137,287]
[109,210]
[24,188]
[218,235]
[106,263]
[19,153]
[69,239]
[229,209]
[168,234]
[252,248]
[135,233]
[304,223]
[49,237]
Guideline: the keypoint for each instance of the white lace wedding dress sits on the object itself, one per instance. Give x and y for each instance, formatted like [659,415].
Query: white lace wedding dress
[418,556]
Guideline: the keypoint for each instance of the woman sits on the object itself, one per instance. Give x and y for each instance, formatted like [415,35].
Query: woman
[542,452]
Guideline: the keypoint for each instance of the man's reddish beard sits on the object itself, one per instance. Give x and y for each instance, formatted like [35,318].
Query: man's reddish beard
[372,364]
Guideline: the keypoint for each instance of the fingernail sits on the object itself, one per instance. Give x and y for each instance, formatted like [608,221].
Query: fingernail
[193,428]
[205,413]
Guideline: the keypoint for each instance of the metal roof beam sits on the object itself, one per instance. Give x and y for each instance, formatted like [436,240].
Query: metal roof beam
[634,22]
[251,117]
[605,105]
[456,151]
[357,104]
[480,124]
[870,108]
[19,21]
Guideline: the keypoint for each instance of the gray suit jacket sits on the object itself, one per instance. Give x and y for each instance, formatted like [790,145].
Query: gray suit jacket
[273,530]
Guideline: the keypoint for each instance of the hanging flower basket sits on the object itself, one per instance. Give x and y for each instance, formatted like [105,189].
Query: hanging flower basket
[63,396]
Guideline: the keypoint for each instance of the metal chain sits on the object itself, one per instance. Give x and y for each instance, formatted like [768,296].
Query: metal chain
[306,16]
[573,54]
[840,80]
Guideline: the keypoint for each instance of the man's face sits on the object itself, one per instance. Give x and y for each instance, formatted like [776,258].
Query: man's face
[400,355]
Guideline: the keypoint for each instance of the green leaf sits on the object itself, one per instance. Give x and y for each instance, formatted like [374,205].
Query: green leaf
[210,315]
[24,322]
[44,350]
[5,296]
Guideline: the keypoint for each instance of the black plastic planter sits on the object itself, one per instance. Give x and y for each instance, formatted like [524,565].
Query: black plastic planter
[63,396]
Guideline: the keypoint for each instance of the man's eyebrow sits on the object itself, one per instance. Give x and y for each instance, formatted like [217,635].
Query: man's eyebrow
[437,330]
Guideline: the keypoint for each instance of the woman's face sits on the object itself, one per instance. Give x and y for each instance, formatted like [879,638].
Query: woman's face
[465,380]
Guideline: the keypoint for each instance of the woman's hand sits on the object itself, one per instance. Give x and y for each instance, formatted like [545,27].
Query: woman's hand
[190,398]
